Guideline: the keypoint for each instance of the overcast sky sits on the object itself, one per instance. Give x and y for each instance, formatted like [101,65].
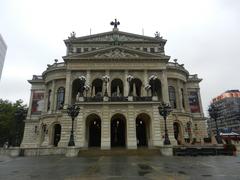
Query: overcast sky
[202,34]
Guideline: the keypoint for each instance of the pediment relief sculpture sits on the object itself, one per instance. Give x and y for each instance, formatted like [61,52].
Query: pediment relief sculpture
[116,53]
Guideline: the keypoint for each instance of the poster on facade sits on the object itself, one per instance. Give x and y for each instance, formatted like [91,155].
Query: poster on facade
[194,102]
[37,102]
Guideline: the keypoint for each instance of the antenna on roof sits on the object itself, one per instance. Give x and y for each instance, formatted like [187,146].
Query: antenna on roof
[90,31]
[142,31]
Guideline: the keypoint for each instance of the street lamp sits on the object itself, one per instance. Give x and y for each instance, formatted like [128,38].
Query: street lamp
[213,113]
[20,115]
[164,110]
[73,111]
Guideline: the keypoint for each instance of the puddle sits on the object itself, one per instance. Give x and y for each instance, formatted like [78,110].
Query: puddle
[144,169]
[206,175]
[181,172]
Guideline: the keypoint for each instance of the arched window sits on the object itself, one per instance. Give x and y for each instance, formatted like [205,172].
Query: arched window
[60,97]
[49,99]
[116,88]
[172,96]
[97,87]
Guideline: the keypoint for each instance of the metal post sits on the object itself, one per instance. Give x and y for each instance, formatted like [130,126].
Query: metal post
[164,110]
[73,112]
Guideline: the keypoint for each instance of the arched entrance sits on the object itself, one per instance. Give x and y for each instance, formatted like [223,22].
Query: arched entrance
[118,131]
[142,130]
[177,132]
[57,134]
[94,130]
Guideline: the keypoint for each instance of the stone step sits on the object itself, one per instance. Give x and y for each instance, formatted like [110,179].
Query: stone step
[119,152]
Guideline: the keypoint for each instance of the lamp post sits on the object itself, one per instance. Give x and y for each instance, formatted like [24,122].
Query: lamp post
[20,115]
[73,111]
[213,113]
[164,110]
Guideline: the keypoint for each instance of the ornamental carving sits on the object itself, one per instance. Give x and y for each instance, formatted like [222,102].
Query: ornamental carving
[114,37]
[116,53]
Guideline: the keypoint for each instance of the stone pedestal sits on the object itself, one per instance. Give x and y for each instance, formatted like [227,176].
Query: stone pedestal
[81,99]
[72,151]
[14,151]
[166,150]
[154,98]
[130,98]
[105,98]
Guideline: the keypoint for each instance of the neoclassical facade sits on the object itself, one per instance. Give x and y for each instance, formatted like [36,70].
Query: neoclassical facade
[118,79]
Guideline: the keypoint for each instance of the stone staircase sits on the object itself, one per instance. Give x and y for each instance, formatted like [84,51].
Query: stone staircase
[119,152]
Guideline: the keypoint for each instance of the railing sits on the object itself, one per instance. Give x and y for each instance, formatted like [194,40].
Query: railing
[145,98]
[117,99]
[94,99]
[56,65]
[37,77]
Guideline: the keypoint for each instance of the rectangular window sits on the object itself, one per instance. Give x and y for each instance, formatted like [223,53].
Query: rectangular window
[145,49]
[152,50]
[78,50]
[85,49]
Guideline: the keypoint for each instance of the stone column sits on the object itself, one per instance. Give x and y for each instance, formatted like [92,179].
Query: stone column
[105,128]
[165,95]
[131,129]
[65,130]
[186,101]
[80,130]
[88,78]
[68,88]
[200,101]
[155,129]
[52,105]
[30,104]
[179,96]
[126,85]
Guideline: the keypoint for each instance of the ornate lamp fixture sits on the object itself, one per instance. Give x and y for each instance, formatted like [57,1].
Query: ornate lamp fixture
[164,110]
[73,111]
[213,113]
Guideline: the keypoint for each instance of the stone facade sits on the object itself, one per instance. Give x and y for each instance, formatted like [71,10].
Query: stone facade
[118,79]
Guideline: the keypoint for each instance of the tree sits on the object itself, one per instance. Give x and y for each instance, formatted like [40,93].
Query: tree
[8,123]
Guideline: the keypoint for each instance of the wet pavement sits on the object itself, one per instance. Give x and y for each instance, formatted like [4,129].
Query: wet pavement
[120,167]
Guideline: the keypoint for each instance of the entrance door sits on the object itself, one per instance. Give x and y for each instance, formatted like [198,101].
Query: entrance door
[57,134]
[117,132]
[141,133]
[176,131]
[95,133]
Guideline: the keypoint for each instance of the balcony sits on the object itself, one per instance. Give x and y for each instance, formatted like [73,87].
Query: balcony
[117,99]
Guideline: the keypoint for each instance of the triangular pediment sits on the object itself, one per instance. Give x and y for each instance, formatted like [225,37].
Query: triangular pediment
[113,36]
[116,52]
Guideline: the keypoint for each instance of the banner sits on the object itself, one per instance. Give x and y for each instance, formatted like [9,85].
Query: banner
[194,102]
[37,102]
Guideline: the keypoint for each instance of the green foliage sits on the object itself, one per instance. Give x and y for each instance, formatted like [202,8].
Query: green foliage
[8,123]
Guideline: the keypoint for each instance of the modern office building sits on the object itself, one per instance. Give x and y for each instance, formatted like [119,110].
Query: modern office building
[3,50]
[228,112]
[118,79]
